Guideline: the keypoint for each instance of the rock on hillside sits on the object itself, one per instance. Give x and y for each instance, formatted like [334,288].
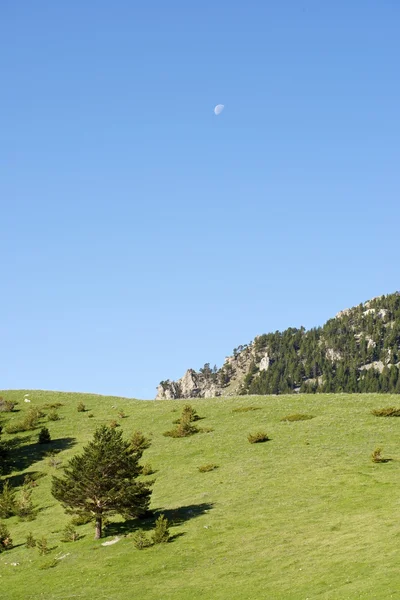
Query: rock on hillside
[356,351]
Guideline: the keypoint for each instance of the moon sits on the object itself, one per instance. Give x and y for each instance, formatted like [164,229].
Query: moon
[218,109]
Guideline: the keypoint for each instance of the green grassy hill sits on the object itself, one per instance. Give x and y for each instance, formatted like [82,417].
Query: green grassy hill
[305,515]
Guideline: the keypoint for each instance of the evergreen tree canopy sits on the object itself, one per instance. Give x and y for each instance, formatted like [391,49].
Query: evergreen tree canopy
[103,480]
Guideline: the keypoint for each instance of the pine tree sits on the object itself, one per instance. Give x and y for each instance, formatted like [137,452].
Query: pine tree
[102,480]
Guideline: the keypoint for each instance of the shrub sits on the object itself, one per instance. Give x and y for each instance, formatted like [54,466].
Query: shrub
[6,405]
[390,411]
[7,501]
[189,414]
[113,424]
[5,538]
[24,508]
[44,436]
[52,405]
[141,541]
[50,564]
[377,457]
[81,407]
[208,467]
[147,469]
[42,546]
[90,415]
[297,417]
[139,442]
[246,408]
[256,438]
[70,534]
[30,541]
[161,533]
[122,415]
[53,416]
[184,427]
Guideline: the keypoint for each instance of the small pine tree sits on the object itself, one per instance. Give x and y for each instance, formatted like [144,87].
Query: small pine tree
[24,508]
[81,407]
[44,436]
[5,538]
[30,541]
[141,541]
[161,533]
[7,501]
[69,534]
[42,546]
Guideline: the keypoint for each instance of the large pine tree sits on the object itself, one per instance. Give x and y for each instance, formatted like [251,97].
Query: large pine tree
[103,480]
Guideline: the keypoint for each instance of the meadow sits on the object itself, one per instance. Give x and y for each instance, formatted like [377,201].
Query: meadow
[305,515]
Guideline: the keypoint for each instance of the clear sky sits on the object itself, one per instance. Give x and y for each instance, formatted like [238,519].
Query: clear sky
[141,234]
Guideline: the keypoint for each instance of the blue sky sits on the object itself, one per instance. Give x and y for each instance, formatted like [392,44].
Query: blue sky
[142,235]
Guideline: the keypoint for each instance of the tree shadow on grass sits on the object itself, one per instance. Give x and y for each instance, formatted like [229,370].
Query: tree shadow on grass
[23,456]
[176,516]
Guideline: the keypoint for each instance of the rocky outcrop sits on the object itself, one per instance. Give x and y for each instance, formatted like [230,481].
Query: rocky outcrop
[365,338]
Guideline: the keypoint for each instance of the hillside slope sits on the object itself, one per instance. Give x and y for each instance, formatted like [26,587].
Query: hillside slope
[305,515]
[356,351]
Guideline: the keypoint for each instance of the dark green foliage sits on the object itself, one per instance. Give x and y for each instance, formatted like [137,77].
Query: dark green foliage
[7,501]
[90,415]
[69,533]
[102,480]
[30,541]
[207,467]
[81,407]
[256,438]
[5,538]
[44,436]
[141,541]
[390,411]
[81,519]
[297,417]
[161,533]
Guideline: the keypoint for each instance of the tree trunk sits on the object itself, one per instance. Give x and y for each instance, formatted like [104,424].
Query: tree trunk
[97,534]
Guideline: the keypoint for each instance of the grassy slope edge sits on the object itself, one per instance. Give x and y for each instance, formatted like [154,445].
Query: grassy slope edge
[306,515]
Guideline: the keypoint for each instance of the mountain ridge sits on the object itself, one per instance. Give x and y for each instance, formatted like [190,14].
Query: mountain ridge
[355,351]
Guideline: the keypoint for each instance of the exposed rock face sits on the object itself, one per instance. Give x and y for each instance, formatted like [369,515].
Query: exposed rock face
[366,336]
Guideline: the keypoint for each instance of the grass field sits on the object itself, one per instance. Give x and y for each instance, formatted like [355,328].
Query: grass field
[306,515]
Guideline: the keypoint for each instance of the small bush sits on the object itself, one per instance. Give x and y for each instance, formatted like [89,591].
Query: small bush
[69,534]
[297,417]
[53,416]
[147,469]
[256,438]
[90,415]
[42,546]
[122,415]
[141,541]
[208,467]
[7,501]
[44,436]
[189,414]
[161,533]
[390,411]
[246,409]
[81,407]
[52,405]
[50,564]
[24,508]
[113,424]
[377,457]
[5,538]
[6,405]
[139,442]
[30,541]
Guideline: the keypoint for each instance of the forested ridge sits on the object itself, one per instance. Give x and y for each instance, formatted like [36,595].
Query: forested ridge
[356,351]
